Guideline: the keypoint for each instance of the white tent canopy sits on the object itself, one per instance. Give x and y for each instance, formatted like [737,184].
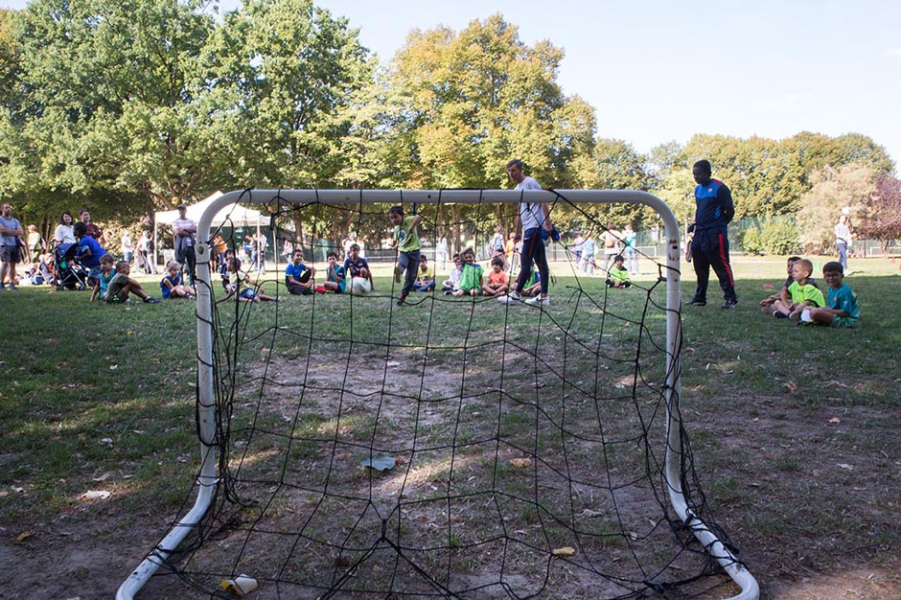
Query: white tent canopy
[239,215]
[234,215]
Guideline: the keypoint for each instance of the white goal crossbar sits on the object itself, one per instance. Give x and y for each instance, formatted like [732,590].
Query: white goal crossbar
[209,478]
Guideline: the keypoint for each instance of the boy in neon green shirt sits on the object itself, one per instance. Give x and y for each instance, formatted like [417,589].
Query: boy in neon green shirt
[618,275]
[803,294]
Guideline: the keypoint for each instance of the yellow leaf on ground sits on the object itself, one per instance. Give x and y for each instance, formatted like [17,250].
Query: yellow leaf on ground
[24,536]
[564,552]
[521,462]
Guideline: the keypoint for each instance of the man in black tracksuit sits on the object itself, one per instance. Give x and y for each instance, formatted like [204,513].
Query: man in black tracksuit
[710,245]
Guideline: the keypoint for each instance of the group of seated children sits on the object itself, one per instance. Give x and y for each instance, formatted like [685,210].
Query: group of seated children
[801,301]
[301,279]
[467,277]
[115,287]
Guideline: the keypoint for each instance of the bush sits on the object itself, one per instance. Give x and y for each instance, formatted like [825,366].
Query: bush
[750,242]
[780,236]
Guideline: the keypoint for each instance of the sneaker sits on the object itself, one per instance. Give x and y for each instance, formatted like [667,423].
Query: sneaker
[696,302]
[510,299]
[400,301]
[730,303]
[539,301]
[780,315]
[12,287]
[151,301]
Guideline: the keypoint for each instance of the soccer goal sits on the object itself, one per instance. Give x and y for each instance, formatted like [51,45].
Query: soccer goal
[455,446]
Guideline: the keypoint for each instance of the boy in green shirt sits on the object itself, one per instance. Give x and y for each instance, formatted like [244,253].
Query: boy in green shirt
[406,240]
[470,276]
[618,275]
[803,294]
[841,308]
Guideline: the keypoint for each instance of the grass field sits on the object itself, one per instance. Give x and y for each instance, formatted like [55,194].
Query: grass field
[794,431]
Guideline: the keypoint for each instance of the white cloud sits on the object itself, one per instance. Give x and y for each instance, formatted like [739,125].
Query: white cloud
[894,52]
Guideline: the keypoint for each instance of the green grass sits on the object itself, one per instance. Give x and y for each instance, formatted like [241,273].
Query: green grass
[102,397]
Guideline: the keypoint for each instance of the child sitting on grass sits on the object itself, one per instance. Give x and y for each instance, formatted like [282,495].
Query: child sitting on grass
[470,275]
[802,294]
[101,284]
[841,308]
[335,279]
[253,290]
[452,283]
[171,285]
[498,281]
[121,285]
[766,305]
[618,275]
[425,280]
[533,284]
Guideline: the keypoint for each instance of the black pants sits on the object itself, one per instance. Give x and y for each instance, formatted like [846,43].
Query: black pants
[710,248]
[185,255]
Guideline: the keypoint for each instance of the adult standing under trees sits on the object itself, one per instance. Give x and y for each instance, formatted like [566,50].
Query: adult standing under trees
[710,244]
[10,251]
[184,229]
[92,229]
[531,219]
[843,241]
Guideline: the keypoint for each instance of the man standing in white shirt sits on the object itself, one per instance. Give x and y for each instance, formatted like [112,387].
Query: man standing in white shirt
[533,217]
[184,229]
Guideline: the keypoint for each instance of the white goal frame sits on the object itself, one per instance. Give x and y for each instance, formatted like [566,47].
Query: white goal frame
[209,478]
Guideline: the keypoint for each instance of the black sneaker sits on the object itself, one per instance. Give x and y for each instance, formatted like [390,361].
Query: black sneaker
[780,315]
[731,303]
[400,301]
[696,302]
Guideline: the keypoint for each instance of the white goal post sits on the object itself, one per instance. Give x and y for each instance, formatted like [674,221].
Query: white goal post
[209,477]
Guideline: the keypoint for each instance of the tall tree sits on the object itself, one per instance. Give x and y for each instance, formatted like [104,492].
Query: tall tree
[849,186]
[118,101]
[879,214]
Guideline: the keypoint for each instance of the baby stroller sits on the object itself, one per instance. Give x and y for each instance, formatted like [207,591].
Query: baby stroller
[70,275]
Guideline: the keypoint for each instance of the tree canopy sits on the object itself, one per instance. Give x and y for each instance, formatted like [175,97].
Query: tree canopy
[127,105]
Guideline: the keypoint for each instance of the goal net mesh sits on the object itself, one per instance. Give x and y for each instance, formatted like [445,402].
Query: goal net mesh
[452,447]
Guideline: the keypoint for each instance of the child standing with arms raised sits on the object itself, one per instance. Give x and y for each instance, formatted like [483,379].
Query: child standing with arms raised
[406,240]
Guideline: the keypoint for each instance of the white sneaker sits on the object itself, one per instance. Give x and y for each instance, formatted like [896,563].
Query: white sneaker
[510,299]
[539,301]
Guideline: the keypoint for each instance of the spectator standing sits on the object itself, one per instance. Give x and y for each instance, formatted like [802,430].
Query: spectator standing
[92,230]
[10,251]
[710,243]
[611,239]
[630,252]
[578,245]
[36,245]
[64,233]
[128,246]
[145,252]
[184,230]
[843,242]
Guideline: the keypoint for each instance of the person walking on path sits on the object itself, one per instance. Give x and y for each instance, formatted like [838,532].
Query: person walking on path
[710,244]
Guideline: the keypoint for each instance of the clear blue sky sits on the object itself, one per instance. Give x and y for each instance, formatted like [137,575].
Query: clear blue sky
[658,70]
